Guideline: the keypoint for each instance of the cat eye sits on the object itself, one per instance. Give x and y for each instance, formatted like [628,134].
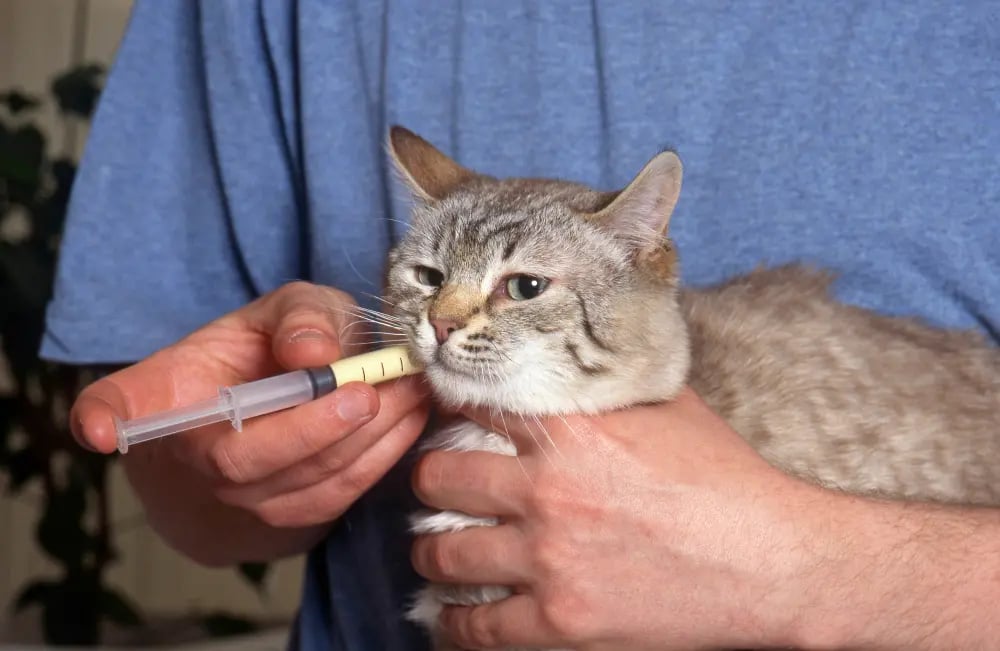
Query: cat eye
[522,288]
[429,276]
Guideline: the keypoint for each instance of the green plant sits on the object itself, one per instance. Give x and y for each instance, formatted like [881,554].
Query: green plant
[36,449]
[72,483]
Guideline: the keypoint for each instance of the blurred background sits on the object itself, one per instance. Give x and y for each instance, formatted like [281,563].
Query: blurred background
[78,564]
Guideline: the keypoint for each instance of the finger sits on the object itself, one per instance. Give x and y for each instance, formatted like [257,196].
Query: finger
[301,320]
[174,376]
[478,483]
[514,621]
[92,417]
[320,467]
[270,443]
[152,386]
[310,322]
[304,321]
[479,555]
[93,412]
[328,499]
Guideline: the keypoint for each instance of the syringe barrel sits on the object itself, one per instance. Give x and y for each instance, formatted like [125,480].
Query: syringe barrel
[269,395]
[375,366]
[154,426]
[242,401]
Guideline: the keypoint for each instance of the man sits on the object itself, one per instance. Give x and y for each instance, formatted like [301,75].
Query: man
[238,146]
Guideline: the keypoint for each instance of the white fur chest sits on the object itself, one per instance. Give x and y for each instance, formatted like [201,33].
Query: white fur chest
[462,436]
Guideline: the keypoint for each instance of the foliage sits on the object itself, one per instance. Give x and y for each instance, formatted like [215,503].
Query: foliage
[37,452]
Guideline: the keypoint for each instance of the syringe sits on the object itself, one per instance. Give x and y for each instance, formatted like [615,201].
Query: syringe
[243,401]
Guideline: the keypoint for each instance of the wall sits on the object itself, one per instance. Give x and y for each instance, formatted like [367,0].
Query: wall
[38,39]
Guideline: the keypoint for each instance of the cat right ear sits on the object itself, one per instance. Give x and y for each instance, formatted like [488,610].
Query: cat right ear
[428,173]
[640,214]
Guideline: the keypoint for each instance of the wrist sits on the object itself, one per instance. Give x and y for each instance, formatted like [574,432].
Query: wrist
[878,574]
[798,603]
[836,551]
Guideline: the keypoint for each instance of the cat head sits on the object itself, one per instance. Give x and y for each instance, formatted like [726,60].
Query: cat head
[534,295]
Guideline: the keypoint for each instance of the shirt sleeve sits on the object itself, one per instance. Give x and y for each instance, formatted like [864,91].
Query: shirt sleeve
[186,161]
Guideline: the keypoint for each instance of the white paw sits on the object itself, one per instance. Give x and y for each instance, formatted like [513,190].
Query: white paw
[425,522]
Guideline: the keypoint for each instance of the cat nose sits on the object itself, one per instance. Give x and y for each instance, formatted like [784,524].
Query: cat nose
[444,327]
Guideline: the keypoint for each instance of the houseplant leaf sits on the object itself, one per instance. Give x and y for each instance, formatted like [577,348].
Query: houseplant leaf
[34,593]
[115,607]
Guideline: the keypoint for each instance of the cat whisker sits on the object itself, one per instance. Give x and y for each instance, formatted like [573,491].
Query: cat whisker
[375,342]
[387,335]
[368,310]
[347,256]
[575,433]
[369,322]
[363,318]
[547,436]
[492,377]
[538,443]
[359,322]
[494,410]
[357,311]
[347,326]
[380,299]
[398,221]
[380,336]
[385,324]
[493,380]
[500,352]
[387,328]
[372,315]
[376,313]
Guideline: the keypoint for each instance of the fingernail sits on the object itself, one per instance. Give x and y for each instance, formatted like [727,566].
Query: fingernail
[307,335]
[354,406]
[80,436]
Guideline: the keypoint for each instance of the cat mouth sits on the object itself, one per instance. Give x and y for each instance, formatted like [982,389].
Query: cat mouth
[443,360]
[457,364]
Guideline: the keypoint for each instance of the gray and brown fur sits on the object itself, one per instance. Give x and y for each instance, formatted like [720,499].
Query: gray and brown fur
[829,392]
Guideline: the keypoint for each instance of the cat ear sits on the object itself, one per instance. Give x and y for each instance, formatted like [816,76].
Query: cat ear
[429,174]
[640,214]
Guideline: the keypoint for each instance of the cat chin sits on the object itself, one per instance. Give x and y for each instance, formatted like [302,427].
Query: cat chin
[556,394]
[537,381]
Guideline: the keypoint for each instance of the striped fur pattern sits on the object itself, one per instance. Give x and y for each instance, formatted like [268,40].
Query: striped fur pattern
[829,392]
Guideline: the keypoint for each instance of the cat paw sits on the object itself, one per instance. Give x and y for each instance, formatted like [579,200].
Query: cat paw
[425,522]
[425,610]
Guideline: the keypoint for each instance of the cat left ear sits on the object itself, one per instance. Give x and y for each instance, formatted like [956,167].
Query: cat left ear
[430,174]
[640,214]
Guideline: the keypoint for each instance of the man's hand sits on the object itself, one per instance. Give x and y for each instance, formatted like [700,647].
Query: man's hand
[651,528]
[224,496]
[660,528]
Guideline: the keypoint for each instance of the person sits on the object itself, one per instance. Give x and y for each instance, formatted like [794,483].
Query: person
[239,147]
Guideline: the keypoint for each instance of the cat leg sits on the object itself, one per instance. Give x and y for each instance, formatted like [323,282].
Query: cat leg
[428,602]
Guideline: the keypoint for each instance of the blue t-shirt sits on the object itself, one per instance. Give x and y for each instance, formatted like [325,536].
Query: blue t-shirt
[239,145]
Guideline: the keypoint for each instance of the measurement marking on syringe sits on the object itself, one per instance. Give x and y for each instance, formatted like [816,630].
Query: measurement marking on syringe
[382,364]
[401,364]
[363,378]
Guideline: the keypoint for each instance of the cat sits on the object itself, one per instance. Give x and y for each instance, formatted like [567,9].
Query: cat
[544,296]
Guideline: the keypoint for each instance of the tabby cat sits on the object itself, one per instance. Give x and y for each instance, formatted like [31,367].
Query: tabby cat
[544,297]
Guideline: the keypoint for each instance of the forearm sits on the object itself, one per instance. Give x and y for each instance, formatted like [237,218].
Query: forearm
[893,575]
[181,507]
